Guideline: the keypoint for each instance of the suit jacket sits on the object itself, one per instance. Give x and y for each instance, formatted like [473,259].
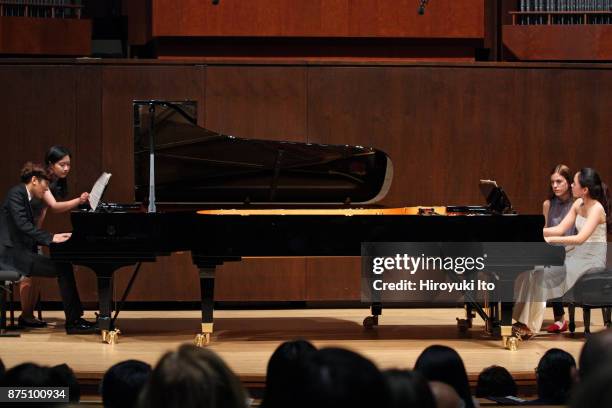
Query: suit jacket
[19,236]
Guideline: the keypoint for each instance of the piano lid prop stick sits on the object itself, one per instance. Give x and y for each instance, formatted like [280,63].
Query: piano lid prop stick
[127,291]
[152,208]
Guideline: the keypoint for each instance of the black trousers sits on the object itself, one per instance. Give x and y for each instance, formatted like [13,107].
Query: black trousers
[557,306]
[40,265]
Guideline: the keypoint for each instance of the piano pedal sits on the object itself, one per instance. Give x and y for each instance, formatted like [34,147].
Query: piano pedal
[111,336]
[202,339]
[370,322]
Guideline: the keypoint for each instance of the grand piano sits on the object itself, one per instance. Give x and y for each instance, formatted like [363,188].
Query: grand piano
[224,198]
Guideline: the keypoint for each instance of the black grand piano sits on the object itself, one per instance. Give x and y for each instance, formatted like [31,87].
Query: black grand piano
[224,198]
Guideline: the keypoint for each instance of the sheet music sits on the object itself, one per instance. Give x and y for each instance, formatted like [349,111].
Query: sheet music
[97,190]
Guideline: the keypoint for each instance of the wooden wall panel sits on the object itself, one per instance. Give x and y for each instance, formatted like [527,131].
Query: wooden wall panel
[445,126]
[329,279]
[87,158]
[262,279]
[45,36]
[39,111]
[261,102]
[316,30]
[138,13]
[318,18]
[588,42]
[121,85]
[266,102]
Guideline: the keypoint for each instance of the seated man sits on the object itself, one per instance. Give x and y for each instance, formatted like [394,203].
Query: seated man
[19,238]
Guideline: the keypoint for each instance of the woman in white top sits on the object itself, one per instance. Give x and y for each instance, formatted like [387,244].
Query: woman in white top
[590,214]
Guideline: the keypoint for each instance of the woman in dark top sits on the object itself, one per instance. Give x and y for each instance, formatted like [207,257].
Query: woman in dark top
[58,165]
[555,208]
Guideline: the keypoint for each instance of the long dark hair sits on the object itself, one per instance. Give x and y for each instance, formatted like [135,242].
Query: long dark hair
[555,376]
[598,190]
[441,363]
[283,371]
[564,172]
[60,185]
[192,377]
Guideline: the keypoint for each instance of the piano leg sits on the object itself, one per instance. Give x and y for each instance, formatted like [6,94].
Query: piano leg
[207,292]
[110,334]
[506,326]
[506,286]
[104,275]
[372,321]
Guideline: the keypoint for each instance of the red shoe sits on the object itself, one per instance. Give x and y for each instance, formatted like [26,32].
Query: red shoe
[557,327]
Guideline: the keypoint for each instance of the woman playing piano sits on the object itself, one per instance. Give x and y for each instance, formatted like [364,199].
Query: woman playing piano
[555,208]
[58,164]
[590,214]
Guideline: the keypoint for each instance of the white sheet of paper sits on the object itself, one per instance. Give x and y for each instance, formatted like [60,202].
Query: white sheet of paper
[98,188]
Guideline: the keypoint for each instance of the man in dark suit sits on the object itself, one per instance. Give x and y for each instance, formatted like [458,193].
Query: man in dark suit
[19,240]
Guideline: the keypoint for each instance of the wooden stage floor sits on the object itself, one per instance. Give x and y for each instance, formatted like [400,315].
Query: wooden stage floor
[246,339]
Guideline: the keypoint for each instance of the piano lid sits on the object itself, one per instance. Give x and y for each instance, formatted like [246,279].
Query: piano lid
[197,165]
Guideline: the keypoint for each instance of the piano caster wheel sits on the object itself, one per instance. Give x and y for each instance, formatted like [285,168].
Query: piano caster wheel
[202,339]
[463,325]
[111,336]
[511,342]
[370,322]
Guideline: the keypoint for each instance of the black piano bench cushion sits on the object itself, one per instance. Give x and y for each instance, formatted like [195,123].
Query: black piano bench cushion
[593,289]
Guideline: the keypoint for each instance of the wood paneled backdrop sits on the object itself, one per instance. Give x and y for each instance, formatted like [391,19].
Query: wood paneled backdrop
[313,29]
[444,125]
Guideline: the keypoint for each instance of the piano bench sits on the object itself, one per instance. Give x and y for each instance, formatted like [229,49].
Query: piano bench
[592,291]
[8,278]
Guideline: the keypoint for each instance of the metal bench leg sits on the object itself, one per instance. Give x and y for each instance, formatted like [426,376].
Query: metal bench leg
[3,328]
[586,313]
[606,312]
[571,309]
[39,307]
[12,303]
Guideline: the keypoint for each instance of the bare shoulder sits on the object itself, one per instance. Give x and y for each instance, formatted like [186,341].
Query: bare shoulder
[597,208]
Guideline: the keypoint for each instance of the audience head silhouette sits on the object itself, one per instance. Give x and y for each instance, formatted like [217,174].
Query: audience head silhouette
[33,375]
[282,372]
[555,376]
[495,381]
[192,377]
[595,390]
[334,377]
[441,363]
[123,382]
[595,354]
